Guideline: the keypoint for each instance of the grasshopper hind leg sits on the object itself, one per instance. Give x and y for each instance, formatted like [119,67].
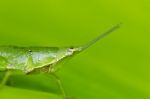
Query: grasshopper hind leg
[5,79]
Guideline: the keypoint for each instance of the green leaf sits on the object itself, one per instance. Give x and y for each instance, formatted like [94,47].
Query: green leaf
[15,93]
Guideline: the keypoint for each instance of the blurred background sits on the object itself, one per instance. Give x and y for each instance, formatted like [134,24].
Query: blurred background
[117,67]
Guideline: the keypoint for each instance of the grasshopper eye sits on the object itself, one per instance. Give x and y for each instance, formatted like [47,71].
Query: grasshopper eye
[70,49]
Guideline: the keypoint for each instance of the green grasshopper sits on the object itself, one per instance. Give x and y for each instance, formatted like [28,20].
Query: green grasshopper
[45,60]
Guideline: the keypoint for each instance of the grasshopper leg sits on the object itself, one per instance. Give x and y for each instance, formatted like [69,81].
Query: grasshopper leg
[4,80]
[61,87]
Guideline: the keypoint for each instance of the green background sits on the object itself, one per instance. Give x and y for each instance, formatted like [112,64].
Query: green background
[117,67]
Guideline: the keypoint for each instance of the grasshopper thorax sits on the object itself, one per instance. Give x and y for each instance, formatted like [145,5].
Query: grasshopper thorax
[47,60]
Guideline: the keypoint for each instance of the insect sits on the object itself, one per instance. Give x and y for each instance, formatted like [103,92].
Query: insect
[45,60]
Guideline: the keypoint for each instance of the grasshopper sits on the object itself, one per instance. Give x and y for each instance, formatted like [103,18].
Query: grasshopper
[30,60]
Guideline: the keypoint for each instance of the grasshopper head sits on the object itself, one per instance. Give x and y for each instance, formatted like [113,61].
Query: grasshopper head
[63,55]
[73,50]
[68,51]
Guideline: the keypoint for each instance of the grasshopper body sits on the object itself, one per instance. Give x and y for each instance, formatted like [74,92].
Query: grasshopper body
[40,59]
[28,59]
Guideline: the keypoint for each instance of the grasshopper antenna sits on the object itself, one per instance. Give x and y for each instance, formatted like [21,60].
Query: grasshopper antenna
[100,37]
